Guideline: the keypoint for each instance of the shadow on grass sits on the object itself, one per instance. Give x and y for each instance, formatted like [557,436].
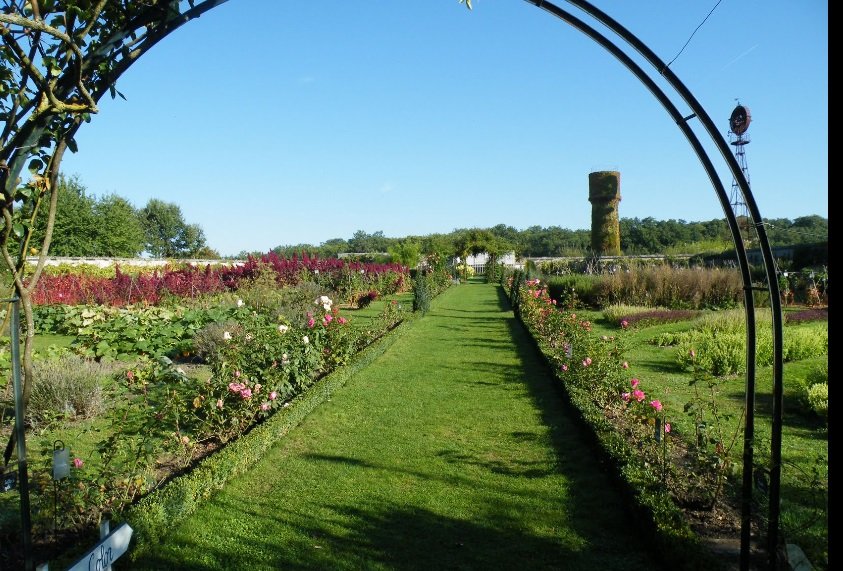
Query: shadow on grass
[393,537]
[592,486]
[387,534]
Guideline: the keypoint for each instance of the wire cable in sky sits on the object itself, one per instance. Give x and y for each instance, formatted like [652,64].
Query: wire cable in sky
[694,32]
[815,234]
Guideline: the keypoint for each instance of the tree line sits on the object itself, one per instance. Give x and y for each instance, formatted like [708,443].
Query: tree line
[110,226]
[638,236]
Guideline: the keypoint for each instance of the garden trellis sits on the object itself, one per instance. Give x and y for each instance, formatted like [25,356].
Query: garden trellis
[60,59]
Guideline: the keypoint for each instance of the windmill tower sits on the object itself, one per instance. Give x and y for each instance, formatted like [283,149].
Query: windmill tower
[738,124]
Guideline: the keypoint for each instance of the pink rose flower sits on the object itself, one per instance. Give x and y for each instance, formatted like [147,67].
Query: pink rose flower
[78,463]
[638,394]
[656,404]
[634,383]
[667,427]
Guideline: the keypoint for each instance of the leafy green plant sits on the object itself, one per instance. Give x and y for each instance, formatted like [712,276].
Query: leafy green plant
[422,292]
[818,398]
[146,421]
[67,387]
[712,444]
[815,389]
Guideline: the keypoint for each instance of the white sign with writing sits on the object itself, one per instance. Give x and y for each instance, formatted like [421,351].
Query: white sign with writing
[106,551]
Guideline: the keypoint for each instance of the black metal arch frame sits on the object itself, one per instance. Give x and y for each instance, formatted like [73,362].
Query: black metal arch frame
[772,286]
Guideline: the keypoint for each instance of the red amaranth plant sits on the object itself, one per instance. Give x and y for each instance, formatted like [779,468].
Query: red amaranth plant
[190,281]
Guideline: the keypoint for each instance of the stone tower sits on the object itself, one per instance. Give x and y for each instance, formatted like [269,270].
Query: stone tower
[604,193]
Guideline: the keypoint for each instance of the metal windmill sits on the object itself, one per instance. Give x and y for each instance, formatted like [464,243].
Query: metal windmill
[738,124]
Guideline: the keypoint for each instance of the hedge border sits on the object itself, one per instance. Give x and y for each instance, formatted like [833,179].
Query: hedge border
[155,514]
[665,526]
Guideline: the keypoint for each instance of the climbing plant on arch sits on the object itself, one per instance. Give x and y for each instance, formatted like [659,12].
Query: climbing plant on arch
[59,58]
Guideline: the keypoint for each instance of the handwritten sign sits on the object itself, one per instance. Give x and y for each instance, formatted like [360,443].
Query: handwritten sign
[106,551]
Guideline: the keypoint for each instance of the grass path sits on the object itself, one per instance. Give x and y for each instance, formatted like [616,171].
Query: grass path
[451,451]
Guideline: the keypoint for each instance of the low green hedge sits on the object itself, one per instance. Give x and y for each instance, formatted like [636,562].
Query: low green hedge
[663,523]
[157,512]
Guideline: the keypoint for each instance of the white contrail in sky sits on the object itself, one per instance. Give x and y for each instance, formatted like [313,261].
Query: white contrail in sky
[740,56]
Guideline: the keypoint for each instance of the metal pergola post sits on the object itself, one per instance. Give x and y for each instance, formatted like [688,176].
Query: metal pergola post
[20,435]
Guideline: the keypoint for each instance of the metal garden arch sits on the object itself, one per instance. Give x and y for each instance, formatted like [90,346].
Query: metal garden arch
[772,287]
[66,94]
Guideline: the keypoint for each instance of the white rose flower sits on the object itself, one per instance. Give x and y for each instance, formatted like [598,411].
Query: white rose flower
[226,335]
[305,339]
[239,303]
[283,328]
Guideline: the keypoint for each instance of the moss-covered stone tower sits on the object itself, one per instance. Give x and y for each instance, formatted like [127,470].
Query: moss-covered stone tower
[604,194]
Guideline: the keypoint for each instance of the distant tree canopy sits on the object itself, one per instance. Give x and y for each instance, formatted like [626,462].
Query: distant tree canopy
[638,236]
[167,235]
[89,226]
[111,226]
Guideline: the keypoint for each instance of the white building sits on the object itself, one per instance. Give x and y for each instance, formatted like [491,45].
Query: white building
[479,261]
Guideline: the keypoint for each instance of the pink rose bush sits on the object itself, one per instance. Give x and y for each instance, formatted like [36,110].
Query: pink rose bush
[583,359]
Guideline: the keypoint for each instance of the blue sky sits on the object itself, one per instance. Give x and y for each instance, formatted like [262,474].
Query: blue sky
[274,123]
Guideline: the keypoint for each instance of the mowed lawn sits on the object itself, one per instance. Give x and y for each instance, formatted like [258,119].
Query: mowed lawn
[451,451]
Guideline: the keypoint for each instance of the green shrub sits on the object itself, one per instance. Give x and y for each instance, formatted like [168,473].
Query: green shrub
[818,374]
[815,389]
[67,387]
[720,344]
[801,344]
[720,354]
[574,291]
[818,399]
[422,292]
